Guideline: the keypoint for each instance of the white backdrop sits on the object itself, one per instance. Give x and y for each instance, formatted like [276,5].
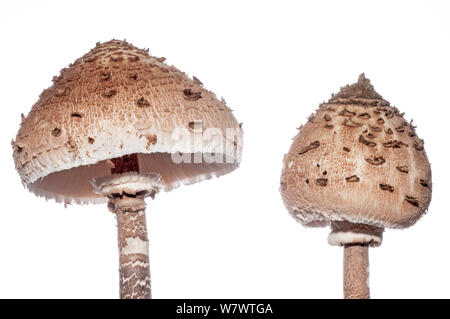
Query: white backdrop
[231,237]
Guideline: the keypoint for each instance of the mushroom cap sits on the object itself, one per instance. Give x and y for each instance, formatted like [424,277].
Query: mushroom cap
[357,160]
[118,100]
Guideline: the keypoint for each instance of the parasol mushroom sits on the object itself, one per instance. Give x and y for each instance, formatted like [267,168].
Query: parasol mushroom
[117,126]
[359,167]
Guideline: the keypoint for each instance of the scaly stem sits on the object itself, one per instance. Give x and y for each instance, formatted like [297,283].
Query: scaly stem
[356,271]
[134,268]
[126,189]
[133,247]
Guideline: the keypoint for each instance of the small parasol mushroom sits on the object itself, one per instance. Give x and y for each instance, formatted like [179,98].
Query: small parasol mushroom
[358,166]
[118,125]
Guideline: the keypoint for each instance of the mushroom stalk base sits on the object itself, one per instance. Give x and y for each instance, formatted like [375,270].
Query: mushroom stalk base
[356,271]
[134,268]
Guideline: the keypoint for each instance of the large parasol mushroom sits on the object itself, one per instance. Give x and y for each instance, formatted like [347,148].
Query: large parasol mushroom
[118,125]
[358,166]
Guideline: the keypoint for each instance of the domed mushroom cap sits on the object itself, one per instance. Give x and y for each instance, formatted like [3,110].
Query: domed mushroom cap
[118,100]
[357,160]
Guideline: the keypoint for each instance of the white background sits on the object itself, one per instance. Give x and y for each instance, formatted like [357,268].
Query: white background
[231,237]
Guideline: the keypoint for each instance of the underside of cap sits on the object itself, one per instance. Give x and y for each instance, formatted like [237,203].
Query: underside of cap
[75,185]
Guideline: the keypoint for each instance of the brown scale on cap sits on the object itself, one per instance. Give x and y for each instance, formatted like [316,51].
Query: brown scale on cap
[364,116]
[117,90]
[375,160]
[351,123]
[377,183]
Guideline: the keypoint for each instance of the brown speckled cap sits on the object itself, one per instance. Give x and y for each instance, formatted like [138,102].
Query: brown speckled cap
[358,165]
[118,100]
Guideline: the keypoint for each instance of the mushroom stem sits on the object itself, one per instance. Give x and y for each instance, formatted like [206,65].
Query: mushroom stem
[356,271]
[134,268]
[126,192]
